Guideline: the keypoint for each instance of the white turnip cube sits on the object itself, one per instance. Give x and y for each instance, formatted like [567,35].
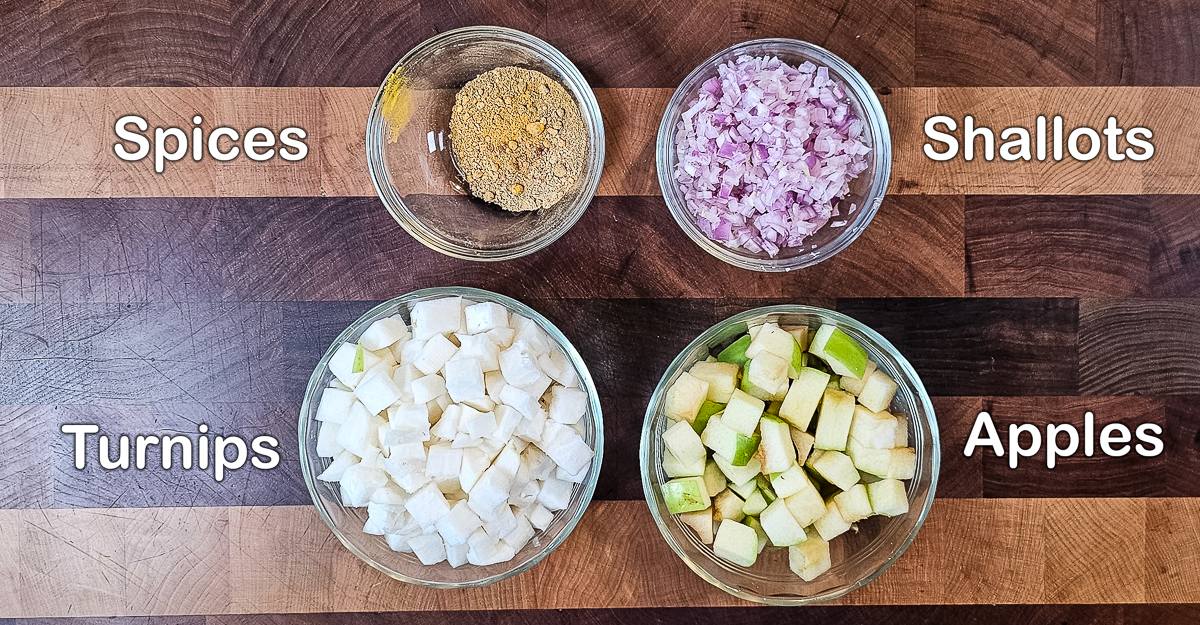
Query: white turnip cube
[485,316]
[464,380]
[521,535]
[383,333]
[567,450]
[428,548]
[447,426]
[410,351]
[443,462]
[403,376]
[428,388]
[398,543]
[474,463]
[490,491]
[555,494]
[427,506]
[335,405]
[411,481]
[502,523]
[574,478]
[458,525]
[456,555]
[359,431]
[437,351]
[342,461]
[327,445]
[341,364]
[532,334]
[481,548]
[538,388]
[434,317]
[383,518]
[411,419]
[568,405]
[377,391]
[525,403]
[560,368]
[519,365]
[478,347]
[494,382]
[507,420]
[358,482]
[508,461]
[406,457]
[483,404]
[540,517]
[502,337]
[527,495]
[530,430]
[481,424]
[540,465]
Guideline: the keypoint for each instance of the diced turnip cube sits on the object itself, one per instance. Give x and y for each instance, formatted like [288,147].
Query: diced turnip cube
[567,450]
[443,462]
[410,351]
[540,517]
[360,430]
[538,389]
[527,495]
[559,368]
[502,337]
[568,405]
[335,405]
[519,365]
[403,376]
[555,494]
[412,420]
[342,461]
[485,316]
[428,388]
[530,430]
[428,548]
[358,482]
[411,481]
[447,425]
[464,380]
[490,491]
[519,537]
[480,348]
[540,465]
[341,364]
[494,382]
[398,543]
[435,317]
[533,335]
[474,463]
[480,424]
[508,461]
[574,478]
[372,457]
[507,420]
[377,391]
[437,351]
[383,518]
[456,555]
[502,523]
[525,403]
[427,506]
[484,550]
[327,445]
[458,525]
[406,457]
[383,333]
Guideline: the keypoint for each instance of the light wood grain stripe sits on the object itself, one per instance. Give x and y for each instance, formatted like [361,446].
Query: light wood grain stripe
[59,141]
[283,559]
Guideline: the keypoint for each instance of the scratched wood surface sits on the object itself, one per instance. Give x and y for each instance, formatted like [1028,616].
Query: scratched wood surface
[152,303]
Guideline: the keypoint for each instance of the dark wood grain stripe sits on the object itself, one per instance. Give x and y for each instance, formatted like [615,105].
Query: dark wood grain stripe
[1144,42]
[196,249]
[980,346]
[1139,346]
[1107,246]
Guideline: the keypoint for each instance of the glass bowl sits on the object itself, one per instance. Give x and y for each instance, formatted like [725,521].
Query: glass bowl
[866,190]
[347,523]
[409,156]
[858,557]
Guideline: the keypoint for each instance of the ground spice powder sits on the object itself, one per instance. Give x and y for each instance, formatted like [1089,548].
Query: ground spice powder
[518,138]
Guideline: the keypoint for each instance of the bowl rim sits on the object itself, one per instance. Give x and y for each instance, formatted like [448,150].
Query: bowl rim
[589,109]
[702,340]
[877,125]
[314,386]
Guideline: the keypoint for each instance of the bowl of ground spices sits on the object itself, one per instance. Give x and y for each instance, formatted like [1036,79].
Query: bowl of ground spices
[485,143]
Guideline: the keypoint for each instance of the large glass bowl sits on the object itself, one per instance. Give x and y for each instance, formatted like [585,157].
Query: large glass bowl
[413,171]
[858,557]
[347,523]
[866,190]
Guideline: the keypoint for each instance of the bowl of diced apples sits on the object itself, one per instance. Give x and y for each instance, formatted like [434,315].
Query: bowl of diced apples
[789,455]
[451,437]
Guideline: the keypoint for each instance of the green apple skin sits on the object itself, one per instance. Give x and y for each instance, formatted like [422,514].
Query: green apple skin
[746,446]
[686,494]
[764,485]
[736,352]
[843,354]
[707,409]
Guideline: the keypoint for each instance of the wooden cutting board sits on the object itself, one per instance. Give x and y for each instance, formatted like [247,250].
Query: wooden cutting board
[150,303]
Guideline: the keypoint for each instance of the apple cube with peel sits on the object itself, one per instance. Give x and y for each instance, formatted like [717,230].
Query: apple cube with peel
[868,459]
[743,412]
[349,363]
[485,316]
[335,405]
[831,524]
[790,481]
[843,354]
[772,339]
[833,426]
[804,444]
[766,377]
[714,480]
[853,503]
[685,494]
[384,333]
[434,317]
[685,397]
[727,505]
[888,497]
[878,391]
[835,467]
[744,490]
[855,385]
[737,474]
[779,524]
[809,558]
[701,521]
[755,504]
[806,506]
[721,378]
[873,429]
[568,405]
[803,396]
[778,450]
[685,445]
[736,543]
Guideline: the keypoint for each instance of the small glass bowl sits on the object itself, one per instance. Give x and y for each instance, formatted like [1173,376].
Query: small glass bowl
[858,558]
[866,190]
[347,523]
[414,174]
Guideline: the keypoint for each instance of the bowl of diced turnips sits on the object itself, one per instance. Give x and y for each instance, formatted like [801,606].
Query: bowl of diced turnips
[451,437]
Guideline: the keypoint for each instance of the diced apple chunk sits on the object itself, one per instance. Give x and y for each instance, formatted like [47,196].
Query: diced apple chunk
[743,412]
[873,429]
[853,503]
[701,521]
[810,558]
[888,497]
[736,543]
[721,378]
[835,467]
[685,397]
[686,494]
[831,524]
[833,426]
[779,524]
[683,442]
[878,391]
